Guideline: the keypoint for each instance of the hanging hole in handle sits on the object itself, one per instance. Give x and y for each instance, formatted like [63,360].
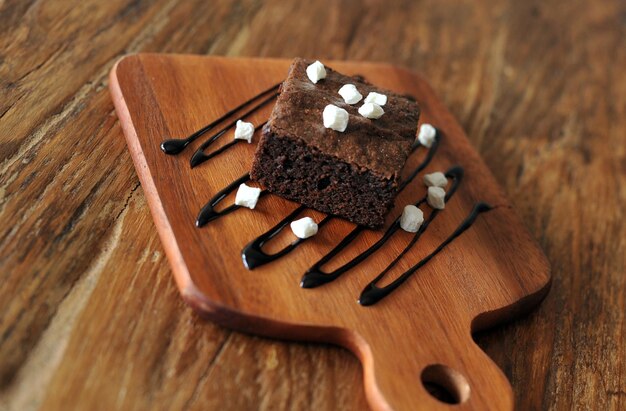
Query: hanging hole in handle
[445,384]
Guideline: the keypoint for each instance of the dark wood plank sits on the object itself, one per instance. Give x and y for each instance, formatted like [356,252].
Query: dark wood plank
[538,87]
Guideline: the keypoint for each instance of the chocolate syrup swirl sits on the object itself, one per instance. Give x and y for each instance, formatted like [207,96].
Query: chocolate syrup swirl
[315,276]
[176,145]
[253,255]
[208,212]
[429,157]
[200,157]
[373,294]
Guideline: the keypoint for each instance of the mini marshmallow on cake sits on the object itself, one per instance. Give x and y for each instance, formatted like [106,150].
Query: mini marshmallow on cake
[436,198]
[436,179]
[376,98]
[304,228]
[335,118]
[350,94]
[316,72]
[411,219]
[247,196]
[371,110]
[427,134]
[244,131]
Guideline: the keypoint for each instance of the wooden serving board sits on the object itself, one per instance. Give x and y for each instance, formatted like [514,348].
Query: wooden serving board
[418,337]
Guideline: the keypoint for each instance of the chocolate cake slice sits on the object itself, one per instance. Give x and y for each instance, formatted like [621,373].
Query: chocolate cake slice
[352,174]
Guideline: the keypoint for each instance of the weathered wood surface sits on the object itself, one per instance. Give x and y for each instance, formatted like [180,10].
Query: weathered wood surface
[90,315]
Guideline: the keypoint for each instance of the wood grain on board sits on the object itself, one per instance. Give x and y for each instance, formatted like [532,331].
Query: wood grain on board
[92,317]
[489,273]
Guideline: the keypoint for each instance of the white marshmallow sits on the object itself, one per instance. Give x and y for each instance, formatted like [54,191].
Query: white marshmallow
[376,98]
[436,179]
[244,131]
[436,198]
[335,118]
[350,94]
[411,219]
[427,135]
[247,196]
[304,227]
[371,110]
[316,72]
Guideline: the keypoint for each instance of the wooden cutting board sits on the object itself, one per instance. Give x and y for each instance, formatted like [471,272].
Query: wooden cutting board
[415,344]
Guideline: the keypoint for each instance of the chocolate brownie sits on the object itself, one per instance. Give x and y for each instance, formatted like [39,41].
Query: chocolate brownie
[352,174]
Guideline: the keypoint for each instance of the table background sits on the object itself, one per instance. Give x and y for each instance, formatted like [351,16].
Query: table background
[89,313]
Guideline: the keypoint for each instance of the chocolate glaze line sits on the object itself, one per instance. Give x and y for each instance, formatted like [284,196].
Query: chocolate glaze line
[456,174]
[253,255]
[373,294]
[208,212]
[315,277]
[199,157]
[176,145]
[429,156]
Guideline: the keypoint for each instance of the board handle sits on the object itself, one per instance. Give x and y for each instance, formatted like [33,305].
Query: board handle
[420,370]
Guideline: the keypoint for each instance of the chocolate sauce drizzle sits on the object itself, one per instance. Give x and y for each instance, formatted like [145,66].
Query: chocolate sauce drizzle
[176,145]
[315,276]
[373,294]
[429,157]
[208,212]
[253,255]
[200,156]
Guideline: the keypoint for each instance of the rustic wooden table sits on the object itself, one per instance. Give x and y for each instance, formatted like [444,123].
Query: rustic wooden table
[90,316]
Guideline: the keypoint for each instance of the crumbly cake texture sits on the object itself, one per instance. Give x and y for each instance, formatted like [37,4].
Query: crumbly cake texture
[353,174]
